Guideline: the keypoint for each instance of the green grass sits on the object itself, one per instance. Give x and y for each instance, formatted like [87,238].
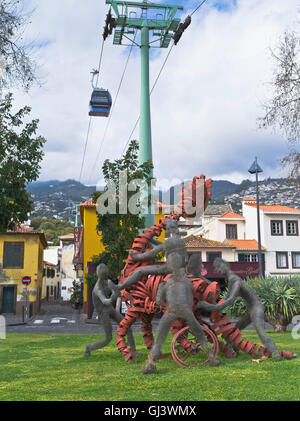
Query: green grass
[52,367]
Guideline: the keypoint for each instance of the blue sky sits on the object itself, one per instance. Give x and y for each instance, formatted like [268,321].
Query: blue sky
[204,108]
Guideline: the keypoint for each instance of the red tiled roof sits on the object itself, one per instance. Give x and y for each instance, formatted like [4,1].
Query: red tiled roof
[67,236]
[244,244]
[88,204]
[231,215]
[249,198]
[198,241]
[274,208]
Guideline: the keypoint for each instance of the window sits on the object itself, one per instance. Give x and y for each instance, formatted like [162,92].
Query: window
[231,231]
[51,290]
[276,228]
[13,255]
[63,288]
[282,260]
[296,259]
[249,257]
[211,256]
[291,227]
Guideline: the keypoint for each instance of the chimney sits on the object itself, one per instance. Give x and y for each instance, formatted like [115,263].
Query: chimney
[247,200]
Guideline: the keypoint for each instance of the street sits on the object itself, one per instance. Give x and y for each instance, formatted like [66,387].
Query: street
[57,318]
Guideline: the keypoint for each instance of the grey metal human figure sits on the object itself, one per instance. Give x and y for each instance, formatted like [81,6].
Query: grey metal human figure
[238,287]
[104,296]
[178,293]
[174,244]
[195,265]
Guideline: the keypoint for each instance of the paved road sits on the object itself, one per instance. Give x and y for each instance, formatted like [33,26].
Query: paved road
[57,318]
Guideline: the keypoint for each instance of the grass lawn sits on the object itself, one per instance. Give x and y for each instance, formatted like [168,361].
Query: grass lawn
[52,367]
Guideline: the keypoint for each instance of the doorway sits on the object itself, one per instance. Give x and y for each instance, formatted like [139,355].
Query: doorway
[8,300]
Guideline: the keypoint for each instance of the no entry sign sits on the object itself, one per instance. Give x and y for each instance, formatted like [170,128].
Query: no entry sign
[26,280]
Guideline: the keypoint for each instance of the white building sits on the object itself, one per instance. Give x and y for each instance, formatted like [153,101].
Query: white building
[68,273]
[279,235]
[51,274]
[52,254]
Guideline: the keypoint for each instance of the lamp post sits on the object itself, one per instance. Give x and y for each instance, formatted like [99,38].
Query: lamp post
[255,169]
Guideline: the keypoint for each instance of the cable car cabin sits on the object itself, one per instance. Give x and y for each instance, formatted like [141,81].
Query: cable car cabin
[100,103]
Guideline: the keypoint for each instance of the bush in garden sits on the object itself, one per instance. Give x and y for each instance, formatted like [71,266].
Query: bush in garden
[280,296]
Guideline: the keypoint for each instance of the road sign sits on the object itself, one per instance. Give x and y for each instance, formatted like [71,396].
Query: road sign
[26,280]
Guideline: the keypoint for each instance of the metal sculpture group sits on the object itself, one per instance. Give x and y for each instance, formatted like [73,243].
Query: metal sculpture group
[182,296]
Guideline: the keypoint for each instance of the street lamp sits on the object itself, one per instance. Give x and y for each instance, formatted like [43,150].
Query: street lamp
[255,169]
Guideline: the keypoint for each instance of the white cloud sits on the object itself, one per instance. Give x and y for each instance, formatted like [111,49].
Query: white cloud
[204,107]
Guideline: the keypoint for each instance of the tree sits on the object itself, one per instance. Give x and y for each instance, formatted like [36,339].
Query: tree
[119,230]
[282,111]
[52,228]
[16,64]
[20,156]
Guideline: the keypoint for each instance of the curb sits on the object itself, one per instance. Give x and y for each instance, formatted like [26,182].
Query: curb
[22,323]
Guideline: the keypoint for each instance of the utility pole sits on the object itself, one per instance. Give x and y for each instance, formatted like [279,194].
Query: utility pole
[157,25]
[76,205]
[255,169]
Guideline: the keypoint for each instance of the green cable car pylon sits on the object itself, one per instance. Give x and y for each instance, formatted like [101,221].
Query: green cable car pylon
[157,25]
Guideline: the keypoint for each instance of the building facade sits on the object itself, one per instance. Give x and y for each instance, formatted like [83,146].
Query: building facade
[21,255]
[279,235]
[51,283]
[208,250]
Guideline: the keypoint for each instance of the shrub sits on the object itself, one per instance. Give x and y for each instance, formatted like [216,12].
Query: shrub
[279,295]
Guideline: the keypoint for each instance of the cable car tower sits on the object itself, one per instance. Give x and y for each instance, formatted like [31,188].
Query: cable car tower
[157,25]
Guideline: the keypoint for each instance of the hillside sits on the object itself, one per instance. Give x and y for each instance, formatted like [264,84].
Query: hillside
[56,199]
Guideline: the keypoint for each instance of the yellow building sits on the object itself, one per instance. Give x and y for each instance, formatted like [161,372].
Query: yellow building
[21,254]
[92,244]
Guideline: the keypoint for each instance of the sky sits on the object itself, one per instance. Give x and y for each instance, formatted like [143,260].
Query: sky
[204,108]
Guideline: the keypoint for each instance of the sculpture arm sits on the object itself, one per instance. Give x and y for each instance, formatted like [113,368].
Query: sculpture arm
[106,301]
[141,257]
[227,302]
[155,242]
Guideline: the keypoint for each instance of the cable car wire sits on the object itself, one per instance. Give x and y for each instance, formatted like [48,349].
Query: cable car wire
[198,7]
[90,119]
[156,80]
[114,103]
[154,84]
